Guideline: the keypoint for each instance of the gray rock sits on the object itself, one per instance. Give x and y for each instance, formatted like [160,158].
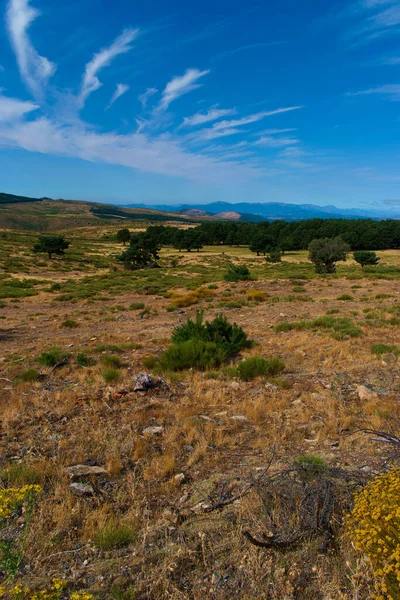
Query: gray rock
[390,359]
[85,470]
[144,383]
[81,489]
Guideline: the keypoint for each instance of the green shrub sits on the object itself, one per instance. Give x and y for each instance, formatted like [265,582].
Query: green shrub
[237,273]
[28,375]
[299,289]
[384,349]
[346,297]
[310,466]
[193,354]
[83,360]
[108,348]
[137,306]
[231,338]
[110,375]
[113,535]
[70,324]
[110,360]
[257,366]
[149,362]
[53,356]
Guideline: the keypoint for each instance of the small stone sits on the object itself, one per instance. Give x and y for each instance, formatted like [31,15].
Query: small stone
[85,470]
[179,478]
[223,413]
[205,418]
[239,418]
[153,430]
[318,396]
[390,359]
[81,489]
[235,385]
[365,393]
[271,387]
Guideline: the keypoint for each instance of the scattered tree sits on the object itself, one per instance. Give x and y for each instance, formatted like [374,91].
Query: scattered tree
[142,252]
[365,257]
[123,235]
[51,244]
[326,252]
[274,255]
[237,273]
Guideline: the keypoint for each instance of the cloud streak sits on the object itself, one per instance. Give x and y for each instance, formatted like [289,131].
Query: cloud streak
[145,97]
[212,115]
[122,88]
[35,70]
[102,59]
[390,91]
[180,85]
[12,109]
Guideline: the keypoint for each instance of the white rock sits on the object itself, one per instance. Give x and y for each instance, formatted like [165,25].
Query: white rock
[365,393]
[85,470]
[153,430]
[239,418]
[179,478]
[81,489]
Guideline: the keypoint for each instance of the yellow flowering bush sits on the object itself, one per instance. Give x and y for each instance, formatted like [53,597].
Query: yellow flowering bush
[12,498]
[374,526]
[20,592]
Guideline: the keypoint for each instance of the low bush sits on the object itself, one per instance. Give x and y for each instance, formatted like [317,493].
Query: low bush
[257,366]
[203,345]
[111,375]
[256,296]
[346,297]
[192,297]
[70,324]
[193,354]
[137,306]
[52,357]
[384,349]
[110,360]
[28,375]
[341,328]
[237,273]
[113,535]
[83,360]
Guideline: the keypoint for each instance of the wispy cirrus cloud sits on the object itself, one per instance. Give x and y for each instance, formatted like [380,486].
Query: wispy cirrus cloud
[180,85]
[102,59]
[253,118]
[122,88]
[276,142]
[145,97]
[12,109]
[35,70]
[390,92]
[211,115]
[246,47]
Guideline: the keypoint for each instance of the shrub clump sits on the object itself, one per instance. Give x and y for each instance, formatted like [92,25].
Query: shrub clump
[203,345]
[257,366]
[52,357]
[70,324]
[28,375]
[184,300]
[374,527]
[113,535]
[237,273]
[111,375]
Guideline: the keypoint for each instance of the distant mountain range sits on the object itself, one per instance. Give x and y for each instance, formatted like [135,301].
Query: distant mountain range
[270,211]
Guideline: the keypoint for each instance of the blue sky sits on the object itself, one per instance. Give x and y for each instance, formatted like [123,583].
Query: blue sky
[176,101]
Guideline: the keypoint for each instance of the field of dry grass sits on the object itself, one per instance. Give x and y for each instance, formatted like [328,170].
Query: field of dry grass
[142,529]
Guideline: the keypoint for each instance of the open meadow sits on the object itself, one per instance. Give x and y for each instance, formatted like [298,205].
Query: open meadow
[161,493]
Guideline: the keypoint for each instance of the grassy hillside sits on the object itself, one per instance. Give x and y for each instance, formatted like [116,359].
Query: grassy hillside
[32,214]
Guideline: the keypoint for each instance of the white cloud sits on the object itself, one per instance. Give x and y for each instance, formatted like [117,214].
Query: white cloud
[12,109]
[35,70]
[144,98]
[212,115]
[90,81]
[163,155]
[276,142]
[276,131]
[122,88]
[211,133]
[180,85]
[253,118]
[391,60]
[391,91]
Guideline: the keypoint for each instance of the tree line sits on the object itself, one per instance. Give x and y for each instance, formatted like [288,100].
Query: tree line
[359,234]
